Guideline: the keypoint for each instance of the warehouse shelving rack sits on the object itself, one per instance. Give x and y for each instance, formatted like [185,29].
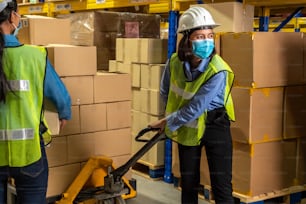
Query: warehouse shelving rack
[266,9]
[51,8]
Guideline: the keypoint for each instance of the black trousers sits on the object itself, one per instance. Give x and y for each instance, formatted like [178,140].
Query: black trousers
[218,145]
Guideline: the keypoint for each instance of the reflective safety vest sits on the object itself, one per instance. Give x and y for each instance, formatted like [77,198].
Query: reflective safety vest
[182,91]
[20,116]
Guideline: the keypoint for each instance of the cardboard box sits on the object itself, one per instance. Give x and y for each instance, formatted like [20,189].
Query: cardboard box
[93,117]
[304,59]
[70,60]
[80,147]
[57,152]
[74,125]
[141,120]
[112,87]
[113,142]
[80,88]
[259,114]
[61,177]
[151,75]
[145,100]
[301,161]
[153,51]
[124,67]
[294,112]
[42,30]
[118,115]
[131,50]
[136,99]
[136,75]
[263,168]
[157,106]
[112,66]
[264,59]
[51,117]
[232,16]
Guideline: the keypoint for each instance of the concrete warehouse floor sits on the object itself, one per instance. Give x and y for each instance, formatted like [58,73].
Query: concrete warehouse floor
[151,191]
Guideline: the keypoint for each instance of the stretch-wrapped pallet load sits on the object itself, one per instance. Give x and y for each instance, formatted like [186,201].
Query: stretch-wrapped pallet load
[102,28]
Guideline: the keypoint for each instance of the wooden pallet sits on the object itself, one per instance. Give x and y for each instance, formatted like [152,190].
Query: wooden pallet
[148,170]
[292,195]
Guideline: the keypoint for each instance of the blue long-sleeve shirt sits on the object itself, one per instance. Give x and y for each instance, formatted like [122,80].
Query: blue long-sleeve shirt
[54,89]
[209,97]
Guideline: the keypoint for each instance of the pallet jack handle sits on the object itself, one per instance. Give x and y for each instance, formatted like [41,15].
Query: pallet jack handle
[119,172]
[116,175]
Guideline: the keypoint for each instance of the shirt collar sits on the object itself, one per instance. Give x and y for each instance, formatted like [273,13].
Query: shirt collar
[11,41]
[202,66]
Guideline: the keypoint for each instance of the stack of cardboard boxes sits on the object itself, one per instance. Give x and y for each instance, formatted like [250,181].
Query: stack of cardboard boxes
[143,58]
[101,107]
[269,88]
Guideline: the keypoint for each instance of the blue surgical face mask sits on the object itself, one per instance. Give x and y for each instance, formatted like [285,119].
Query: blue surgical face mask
[203,48]
[17,28]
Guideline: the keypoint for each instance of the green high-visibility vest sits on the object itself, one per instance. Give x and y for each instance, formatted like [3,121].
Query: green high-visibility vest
[181,92]
[25,68]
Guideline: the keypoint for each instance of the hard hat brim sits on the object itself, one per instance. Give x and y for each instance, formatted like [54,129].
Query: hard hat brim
[193,28]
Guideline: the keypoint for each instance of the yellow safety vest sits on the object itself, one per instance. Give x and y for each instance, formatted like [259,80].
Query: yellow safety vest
[182,91]
[25,68]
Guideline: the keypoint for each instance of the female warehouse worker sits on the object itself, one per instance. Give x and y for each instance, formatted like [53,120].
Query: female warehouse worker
[196,86]
[26,77]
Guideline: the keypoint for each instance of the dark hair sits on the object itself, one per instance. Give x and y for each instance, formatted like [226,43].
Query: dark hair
[5,14]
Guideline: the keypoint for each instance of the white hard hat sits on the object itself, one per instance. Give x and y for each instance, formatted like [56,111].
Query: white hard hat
[195,17]
[3,4]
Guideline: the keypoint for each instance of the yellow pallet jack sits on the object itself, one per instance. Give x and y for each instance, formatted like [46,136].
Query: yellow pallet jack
[114,189]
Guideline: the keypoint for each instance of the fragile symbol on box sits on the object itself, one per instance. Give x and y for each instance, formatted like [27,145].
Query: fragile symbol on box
[131,30]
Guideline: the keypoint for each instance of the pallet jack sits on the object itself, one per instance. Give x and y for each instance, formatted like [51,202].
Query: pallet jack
[114,189]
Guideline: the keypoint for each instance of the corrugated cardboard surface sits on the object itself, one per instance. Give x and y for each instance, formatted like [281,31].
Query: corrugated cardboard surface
[246,53]
[61,177]
[265,167]
[69,60]
[93,117]
[259,114]
[232,16]
[40,30]
[74,125]
[108,89]
[80,89]
[295,112]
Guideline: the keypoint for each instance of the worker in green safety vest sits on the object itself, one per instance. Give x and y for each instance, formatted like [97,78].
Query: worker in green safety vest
[196,87]
[26,78]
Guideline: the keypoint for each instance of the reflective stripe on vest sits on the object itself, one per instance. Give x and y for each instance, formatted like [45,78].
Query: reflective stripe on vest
[181,92]
[19,85]
[22,134]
